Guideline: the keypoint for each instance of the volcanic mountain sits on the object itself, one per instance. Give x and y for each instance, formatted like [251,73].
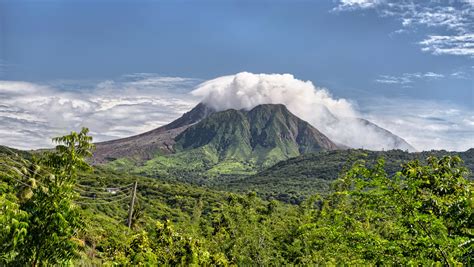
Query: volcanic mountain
[261,136]
[267,132]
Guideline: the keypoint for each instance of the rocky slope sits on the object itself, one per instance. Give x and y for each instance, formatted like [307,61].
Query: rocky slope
[144,146]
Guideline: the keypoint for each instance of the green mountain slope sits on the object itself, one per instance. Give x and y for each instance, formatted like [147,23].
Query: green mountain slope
[234,142]
[262,136]
[294,179]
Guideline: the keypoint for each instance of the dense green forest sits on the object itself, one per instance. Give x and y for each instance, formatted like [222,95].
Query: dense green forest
[353,207]
[297,178]
[290,181]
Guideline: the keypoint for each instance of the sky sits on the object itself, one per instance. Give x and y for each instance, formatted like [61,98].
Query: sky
[124,67]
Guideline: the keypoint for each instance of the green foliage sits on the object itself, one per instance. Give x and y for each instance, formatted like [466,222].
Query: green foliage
[44,187]
[162,245]
[246,231]
[69,157]
[291,180]
[373,213]
[297,178]
[14,224]
[422,216]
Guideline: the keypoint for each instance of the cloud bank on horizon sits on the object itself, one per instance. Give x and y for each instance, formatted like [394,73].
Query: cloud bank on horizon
[31,114]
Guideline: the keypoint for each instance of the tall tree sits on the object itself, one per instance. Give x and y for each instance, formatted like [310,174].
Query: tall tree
[54,219]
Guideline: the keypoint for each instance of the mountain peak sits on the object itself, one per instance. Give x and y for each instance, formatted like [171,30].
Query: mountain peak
[279,107]
[264,135]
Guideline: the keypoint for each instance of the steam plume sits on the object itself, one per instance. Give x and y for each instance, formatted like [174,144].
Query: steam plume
[337,118]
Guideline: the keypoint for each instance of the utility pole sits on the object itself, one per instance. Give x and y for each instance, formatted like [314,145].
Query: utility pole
[130,209]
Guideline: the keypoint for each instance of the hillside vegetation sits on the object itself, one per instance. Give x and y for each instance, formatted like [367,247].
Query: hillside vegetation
[56,210]
[290,180]
[297,178]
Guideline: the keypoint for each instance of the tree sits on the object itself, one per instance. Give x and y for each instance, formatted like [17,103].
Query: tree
[422,215]
[13,221]
[163,245]
[53,219]
[14,224]
[439,199]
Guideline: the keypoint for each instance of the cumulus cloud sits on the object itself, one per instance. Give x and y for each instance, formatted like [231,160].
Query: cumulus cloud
[246,90]
[31,114]
[337,118]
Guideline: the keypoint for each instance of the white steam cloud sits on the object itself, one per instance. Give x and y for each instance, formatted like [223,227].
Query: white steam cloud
[337,118]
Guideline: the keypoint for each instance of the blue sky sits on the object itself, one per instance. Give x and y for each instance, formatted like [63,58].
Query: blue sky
[360,50]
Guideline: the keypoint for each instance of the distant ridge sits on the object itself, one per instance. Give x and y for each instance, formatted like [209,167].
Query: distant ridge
[394,140]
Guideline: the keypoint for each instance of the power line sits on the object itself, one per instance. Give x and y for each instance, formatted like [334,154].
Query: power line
[19,181]
[99,199]
[141,197]
[18,171]
[113,198]
[97,203]
[20,167]
[20,161]
[103,198]
[94,187]
[11,151]
[13,167]
[108,191]
[104,190]
[17,166]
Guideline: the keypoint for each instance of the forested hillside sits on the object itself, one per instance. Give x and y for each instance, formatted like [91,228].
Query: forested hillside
[290,180]
[294,179]
[57,210]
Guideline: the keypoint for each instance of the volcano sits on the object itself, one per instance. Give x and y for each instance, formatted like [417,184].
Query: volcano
[265,134]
